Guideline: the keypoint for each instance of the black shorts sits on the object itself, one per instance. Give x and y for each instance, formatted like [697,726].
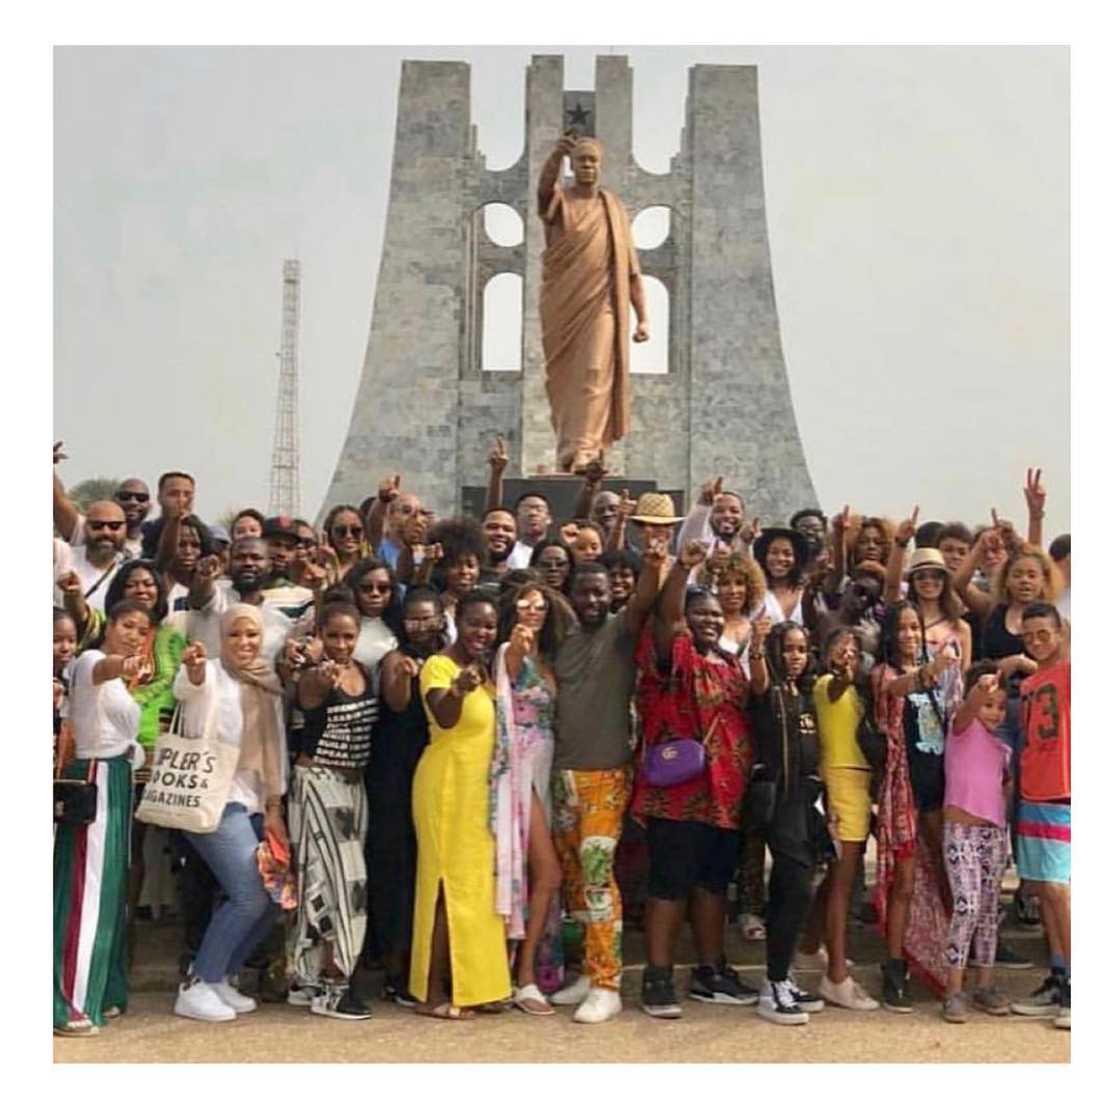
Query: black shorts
[687,854]
[927,779]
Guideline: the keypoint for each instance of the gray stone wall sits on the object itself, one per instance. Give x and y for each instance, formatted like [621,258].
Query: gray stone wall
[424,405]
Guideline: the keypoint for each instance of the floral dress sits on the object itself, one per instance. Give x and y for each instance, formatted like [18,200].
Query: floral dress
[521,766]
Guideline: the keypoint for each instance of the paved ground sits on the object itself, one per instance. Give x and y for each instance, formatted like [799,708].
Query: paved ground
[149,1032]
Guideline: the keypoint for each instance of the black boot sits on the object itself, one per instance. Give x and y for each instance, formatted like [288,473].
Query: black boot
[896,986]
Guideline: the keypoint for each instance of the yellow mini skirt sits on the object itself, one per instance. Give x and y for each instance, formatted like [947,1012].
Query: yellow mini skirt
[849,797]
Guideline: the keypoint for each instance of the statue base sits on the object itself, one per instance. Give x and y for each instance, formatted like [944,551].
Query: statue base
[562,491]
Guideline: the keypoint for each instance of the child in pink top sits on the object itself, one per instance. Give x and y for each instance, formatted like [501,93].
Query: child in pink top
[977,770]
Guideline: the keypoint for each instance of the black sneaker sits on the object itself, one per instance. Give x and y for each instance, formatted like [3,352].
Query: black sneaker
[778,1005]
[1044,1000]
[805,1000]
[896,986]
[339,1001]
[659,999]
[721,985]
[396,991]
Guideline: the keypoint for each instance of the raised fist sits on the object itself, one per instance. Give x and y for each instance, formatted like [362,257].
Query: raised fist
[69,584]
[194,654]
[388,489]
[710,489]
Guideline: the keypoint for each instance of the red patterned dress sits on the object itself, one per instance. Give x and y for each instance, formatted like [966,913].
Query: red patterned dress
[898,838]
[681,700]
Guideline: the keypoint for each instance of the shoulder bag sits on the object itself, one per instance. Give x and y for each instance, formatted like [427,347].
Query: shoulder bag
[190,778]
[677,761]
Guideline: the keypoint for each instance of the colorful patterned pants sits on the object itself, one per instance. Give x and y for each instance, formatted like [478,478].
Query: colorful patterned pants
[588,807]
[975,856]
[90,888]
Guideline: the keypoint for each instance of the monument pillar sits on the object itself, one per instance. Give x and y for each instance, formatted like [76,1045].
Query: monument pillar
[427,409]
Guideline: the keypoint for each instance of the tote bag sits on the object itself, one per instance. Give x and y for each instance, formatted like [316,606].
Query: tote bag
[190,778]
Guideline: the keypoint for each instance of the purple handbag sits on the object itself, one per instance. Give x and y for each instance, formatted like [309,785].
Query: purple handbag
[677,761]
[674,762]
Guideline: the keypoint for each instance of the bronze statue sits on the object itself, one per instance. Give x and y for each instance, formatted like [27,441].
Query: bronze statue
[590,277]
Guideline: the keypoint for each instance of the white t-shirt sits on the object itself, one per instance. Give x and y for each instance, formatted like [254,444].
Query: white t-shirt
[105,718]
[374,641]
[205,624]
[220,688]
[519,556]
[72,558]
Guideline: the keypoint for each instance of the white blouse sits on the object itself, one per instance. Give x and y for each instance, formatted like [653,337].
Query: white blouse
[220,688]
[105,717]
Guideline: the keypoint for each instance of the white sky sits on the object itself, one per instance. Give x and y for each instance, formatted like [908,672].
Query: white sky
[918,205]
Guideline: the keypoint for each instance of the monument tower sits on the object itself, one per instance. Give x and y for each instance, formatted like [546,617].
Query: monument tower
[425,406]
[284,488]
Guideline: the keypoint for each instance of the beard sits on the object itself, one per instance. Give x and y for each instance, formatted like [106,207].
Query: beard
[249,581]
[100,552]
[501,554]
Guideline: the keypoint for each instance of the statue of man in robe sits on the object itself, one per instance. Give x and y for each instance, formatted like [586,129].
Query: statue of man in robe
[590,278]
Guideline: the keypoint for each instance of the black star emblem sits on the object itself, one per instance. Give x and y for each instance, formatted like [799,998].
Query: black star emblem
[578,115]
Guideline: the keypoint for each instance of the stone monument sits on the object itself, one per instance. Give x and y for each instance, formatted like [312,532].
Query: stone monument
[426,408]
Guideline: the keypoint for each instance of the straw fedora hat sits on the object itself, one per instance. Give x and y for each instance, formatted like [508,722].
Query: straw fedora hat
[655,509]
[926,558]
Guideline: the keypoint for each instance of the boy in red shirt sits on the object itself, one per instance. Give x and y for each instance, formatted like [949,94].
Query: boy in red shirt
[1042,845]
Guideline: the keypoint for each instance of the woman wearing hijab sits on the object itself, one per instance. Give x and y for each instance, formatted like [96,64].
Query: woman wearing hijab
[247,695]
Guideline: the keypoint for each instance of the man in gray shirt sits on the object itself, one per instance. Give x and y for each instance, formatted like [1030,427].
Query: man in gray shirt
[591,778]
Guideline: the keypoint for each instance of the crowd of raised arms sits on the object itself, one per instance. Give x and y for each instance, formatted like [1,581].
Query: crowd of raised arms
[457,742]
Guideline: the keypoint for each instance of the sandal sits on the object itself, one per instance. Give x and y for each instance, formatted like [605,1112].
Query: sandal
[495,1006]
[76,1028]
[530,1000]
[444,1011]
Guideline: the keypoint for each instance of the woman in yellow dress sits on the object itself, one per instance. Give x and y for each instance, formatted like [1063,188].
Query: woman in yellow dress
[457,927]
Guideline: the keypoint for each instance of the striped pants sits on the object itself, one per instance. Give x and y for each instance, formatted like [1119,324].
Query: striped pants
[90,893]
[328,816]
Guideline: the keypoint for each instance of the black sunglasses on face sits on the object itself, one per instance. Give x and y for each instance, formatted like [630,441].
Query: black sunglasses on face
[346,531]
[370,588]
[132,496]
[114,525]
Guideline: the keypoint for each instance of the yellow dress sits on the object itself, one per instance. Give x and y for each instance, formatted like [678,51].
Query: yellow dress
[450,807]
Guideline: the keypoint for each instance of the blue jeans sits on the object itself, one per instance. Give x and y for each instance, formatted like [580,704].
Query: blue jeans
[247,913]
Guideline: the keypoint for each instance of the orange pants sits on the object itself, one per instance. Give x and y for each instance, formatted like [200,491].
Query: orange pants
[588,807]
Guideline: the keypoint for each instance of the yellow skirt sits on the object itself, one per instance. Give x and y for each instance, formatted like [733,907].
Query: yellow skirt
[849,799]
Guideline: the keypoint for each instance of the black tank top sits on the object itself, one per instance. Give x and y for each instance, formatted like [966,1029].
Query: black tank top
[998,642]
[340,731]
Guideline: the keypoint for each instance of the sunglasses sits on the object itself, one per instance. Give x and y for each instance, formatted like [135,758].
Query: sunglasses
[114,525]
[305,542]
[550,564]
[346,531]
[928,573]
[370,588]
[528,605]
[132,496]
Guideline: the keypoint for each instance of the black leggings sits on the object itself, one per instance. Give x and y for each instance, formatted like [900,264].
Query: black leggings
[791,895]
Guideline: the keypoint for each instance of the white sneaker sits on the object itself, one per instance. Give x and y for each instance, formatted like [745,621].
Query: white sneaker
[574,993]
[847,994]
[230,996]
[812,961]
[776,1004]
[198,1000]
[601,1004]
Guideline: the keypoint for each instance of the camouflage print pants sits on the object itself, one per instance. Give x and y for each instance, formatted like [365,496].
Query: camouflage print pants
[588,807]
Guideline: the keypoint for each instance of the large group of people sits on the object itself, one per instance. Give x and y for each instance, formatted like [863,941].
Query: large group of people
[448,734]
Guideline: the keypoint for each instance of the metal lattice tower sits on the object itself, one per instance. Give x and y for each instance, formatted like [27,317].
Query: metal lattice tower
[284,496]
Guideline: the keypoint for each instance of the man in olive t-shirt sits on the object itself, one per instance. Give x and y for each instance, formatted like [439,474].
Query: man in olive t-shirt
[591,771]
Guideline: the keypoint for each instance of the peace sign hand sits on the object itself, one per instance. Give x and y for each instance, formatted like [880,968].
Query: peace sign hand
[194,654]
[59,454]
[1035,493]
[693,553]
[499,456]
